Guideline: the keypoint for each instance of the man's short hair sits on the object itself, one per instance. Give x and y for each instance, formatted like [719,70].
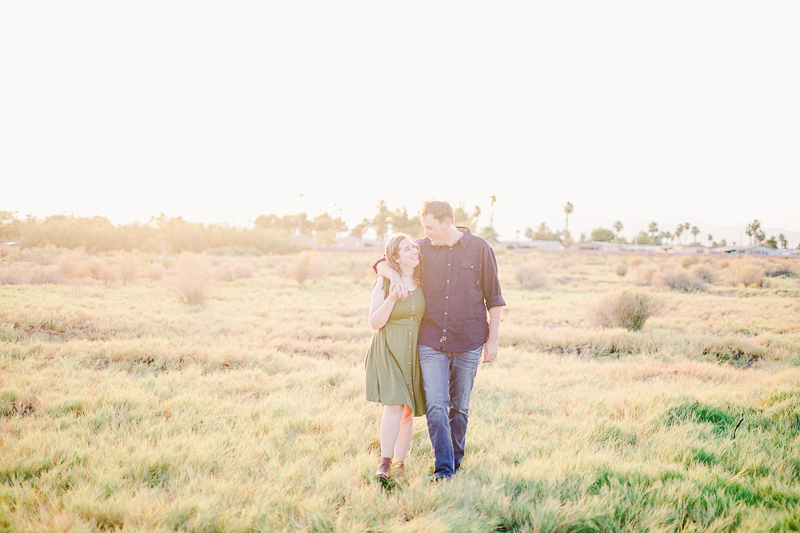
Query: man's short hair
[439,210]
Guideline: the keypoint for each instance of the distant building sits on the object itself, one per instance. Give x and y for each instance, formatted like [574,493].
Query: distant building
[689,249]
[596,247]
[758,250]
[547,246]
[355,243]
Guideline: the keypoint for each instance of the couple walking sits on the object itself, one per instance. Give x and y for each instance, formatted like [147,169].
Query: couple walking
[435,308]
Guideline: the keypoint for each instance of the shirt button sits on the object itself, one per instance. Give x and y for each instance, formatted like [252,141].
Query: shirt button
[445,312]
[448,281]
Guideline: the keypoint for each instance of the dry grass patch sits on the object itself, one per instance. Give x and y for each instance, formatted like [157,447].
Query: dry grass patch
[307,266]
[678,280]
[191,279]
[532,275]
[749,274]
[626,309]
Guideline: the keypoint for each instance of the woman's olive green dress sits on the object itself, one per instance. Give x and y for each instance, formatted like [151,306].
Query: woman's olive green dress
[393,373]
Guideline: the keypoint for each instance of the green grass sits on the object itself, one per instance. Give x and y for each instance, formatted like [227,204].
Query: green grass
[124,409]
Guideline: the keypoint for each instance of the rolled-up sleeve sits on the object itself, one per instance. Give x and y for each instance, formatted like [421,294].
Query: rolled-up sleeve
[491,281]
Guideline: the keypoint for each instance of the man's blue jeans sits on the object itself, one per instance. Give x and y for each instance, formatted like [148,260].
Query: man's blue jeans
[447,378]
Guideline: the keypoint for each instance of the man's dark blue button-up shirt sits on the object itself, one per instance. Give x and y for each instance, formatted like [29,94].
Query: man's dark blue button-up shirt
[460,283]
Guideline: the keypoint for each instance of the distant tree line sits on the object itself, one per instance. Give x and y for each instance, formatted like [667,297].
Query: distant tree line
[269,234]
[681,236]
[274,234]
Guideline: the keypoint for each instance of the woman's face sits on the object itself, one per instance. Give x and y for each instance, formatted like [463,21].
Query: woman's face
[407,254]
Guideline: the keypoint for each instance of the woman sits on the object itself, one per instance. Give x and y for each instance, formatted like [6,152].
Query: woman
[394,377]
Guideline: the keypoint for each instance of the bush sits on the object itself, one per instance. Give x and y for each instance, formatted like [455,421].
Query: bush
[689,260]
[128,268]
[307,266]
[73,264]
[635,262]
[531,275]
[774,270]
[191,279]
[643,274]
[702,272]
[723,263]
[233,272]
[155,271]
[749,274]
[626,309]
[621,269]
[678,280]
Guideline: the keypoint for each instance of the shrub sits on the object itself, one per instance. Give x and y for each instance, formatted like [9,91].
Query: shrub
[307,266]
[625,309]
[191,279]
[774,270]
[749,274]
[702,272]
[358,270]
[109,274]
[128,268]
[635,262]
[689,260]
[723,263]
[643,274]
[621,269]
[46,275]
[95,267]
[72,264]
[233,272]
[531,275]
[155,271]
[678,280]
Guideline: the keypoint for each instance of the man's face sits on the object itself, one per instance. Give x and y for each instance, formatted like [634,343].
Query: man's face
[437,232]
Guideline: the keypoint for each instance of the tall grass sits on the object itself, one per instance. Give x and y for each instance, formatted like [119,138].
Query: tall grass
[191,279]
[120,410]
[626,309]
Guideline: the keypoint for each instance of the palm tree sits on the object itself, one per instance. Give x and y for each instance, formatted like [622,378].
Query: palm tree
[491,216]
[749,232]
[617,228]
[784,242]
[653,229]
[755,231]
[710,238]
[678,232]
[567,209]
[695,231]
[686,227]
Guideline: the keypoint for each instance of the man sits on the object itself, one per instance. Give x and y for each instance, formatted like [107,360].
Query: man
[459,278]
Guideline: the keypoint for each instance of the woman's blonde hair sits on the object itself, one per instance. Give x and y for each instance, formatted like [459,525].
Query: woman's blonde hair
[393,247]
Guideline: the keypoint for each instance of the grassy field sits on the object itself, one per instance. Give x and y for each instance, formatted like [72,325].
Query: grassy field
[211,393]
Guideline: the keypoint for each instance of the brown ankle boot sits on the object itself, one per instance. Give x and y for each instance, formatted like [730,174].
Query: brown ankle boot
[400,469]
[384,465]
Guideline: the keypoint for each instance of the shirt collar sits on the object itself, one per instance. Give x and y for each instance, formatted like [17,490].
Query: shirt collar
[464,240]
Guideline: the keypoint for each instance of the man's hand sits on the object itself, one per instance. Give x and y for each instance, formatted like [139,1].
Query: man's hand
[399,289]
[397,285]
[490,350]
[395,292]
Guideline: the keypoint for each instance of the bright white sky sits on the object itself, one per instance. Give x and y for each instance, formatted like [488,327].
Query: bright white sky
[220,111]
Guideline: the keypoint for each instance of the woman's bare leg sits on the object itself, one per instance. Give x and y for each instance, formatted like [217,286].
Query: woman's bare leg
[390,428]
[404,434]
